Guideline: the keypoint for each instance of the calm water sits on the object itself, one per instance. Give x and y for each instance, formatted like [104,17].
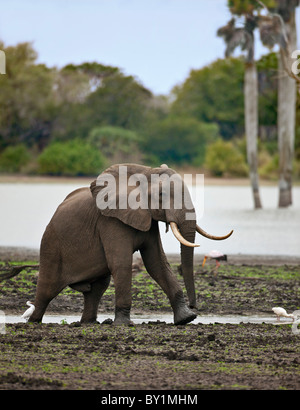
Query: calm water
[25,210]
[168,318]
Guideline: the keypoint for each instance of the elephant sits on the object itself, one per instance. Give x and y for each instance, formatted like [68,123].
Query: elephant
[85,243]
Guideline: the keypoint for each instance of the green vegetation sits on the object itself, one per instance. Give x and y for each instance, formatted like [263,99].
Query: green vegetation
[223,158]
[14,158]
[116,144]
[70,158]
[236,288]
[79,119]
[214,94]
[179,140]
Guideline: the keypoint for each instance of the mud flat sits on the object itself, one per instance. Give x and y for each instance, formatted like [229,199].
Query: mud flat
[149,356]
[158,355]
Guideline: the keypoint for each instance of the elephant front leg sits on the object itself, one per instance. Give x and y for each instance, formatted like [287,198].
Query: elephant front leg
[158,267]
[122,280]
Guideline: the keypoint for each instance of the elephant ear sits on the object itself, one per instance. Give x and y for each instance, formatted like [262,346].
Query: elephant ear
[112,202]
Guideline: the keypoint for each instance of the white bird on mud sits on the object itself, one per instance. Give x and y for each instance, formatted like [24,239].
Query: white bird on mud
[26,315]
[279,311]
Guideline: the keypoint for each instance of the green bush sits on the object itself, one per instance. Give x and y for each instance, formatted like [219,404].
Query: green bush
[179,140]
[268,165]
[224,159]
[115,143]
[72,158]
[13,158]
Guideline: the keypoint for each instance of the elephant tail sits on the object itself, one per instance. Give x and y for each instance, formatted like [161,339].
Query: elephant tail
[14,271]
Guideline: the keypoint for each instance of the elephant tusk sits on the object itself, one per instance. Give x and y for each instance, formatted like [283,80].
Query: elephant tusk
[179,237]
[207,235]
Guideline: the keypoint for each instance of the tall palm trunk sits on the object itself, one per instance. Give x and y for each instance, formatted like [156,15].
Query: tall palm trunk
[251,127]
[286,120]
[245,38]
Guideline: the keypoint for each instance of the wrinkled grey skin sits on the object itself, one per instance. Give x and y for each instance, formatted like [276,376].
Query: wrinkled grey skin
[83,246]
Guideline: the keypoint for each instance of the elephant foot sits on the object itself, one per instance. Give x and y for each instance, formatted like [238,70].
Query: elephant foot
[118,322]
[89,322]
[36,317]
[184,316]
[122,317]
[34,320]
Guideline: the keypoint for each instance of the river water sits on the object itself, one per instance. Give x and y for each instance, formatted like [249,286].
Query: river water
[26,208]
[168,318]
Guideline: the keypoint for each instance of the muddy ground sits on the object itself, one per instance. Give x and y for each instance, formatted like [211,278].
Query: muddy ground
[158,355]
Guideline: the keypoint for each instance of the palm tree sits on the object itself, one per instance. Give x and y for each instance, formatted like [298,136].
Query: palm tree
[286,108]
[280,28]
[243,37]
[275,28]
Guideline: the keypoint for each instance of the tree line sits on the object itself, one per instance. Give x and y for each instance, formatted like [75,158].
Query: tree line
[91,109]
[78,119]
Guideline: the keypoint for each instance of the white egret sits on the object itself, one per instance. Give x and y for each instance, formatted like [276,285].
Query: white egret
[279,311]
[26,315]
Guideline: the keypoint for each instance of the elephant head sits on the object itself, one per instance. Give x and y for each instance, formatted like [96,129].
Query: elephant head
[137,194]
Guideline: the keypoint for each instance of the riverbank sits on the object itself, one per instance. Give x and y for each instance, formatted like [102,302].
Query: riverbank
[85,181]
[14,253]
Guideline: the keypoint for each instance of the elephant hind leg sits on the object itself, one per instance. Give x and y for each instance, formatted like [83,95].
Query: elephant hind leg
[92,298]
[50,279]
[44,294]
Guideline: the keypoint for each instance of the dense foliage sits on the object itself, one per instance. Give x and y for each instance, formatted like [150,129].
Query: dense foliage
[70,158]
[180,140]
[214,94]
[79,119]
[224,159]
[248,6]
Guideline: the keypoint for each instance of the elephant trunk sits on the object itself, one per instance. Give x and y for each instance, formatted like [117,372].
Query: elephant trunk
[187,262]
